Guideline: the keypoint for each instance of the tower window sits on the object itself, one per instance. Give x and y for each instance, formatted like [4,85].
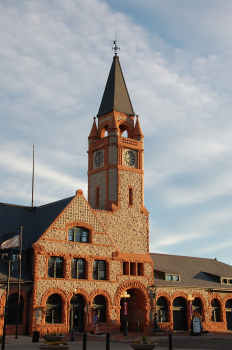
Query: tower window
[130,196]
[78,234]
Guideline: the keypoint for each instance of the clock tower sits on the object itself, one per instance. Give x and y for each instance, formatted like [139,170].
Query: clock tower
[115,169]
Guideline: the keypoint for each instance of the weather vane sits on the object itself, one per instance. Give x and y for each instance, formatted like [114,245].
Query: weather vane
[115,47]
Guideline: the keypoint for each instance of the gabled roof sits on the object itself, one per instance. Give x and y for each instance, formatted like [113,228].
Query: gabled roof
[116,94]
[196,272]
[35,220]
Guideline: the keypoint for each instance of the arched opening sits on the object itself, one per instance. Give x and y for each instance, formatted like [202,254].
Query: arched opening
[197,309]
[53,309]
[77,316]
[161,309]
[179,314]
[12,310]
[136,310]
[99,306]
[229,314]
[215,311]
[123,130]
[104,131]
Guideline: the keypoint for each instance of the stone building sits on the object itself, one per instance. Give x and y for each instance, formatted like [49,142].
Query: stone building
[99,247]
[79,252]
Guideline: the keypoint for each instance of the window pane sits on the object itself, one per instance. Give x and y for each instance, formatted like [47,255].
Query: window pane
[70,235]
[81,269]
[59,268]
[51,267]
[102,270]
[85,237]
[74,268]
[77,236]
[175,278]
[168,277]
[95,270]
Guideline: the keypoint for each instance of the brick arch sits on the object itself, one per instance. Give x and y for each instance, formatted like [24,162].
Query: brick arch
[23,294]
[164,295]
[221,305]
[227,297]
[102,129]
[133,284]
[126,127]
[180,294]
[168,300]
[80,291]
[203,304]
[54,290]
[107,297]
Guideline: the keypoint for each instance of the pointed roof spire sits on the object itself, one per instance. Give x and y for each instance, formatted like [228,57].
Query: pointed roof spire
[116,94]
[137,133]
[94,132]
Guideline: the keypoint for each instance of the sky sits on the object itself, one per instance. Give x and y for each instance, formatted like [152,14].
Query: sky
[176,56]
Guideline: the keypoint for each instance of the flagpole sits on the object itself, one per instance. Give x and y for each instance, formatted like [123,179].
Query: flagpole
[7,295]
[20,268]
[33,174]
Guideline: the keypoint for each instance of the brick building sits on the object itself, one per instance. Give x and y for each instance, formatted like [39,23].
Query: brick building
[98,249]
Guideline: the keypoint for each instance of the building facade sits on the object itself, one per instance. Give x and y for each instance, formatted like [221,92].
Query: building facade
[83,254]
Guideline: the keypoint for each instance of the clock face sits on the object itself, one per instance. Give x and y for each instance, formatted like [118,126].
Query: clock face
[129,158]
[99,158]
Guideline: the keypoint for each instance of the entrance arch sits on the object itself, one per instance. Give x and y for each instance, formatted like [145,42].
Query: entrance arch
[139,305]
[77,316]
[179,314]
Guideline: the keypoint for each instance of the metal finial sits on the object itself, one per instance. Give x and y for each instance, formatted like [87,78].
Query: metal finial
[115,47]
[94,118]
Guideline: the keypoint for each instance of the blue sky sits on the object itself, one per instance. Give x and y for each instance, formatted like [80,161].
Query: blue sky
[176,58]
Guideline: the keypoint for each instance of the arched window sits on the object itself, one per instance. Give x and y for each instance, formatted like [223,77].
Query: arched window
[99,305]
[215,311]
[78,234]
[196,305]
[12,309]
[179,302]
[54,309]
[162,309]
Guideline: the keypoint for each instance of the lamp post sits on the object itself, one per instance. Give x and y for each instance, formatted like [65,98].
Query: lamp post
[7,257]
[190,300]
[73,314]
[155,326]
[125,308]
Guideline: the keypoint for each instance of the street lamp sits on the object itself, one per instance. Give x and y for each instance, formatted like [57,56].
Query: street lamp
[73,314]
[155,326]
[125,308]
[190,300]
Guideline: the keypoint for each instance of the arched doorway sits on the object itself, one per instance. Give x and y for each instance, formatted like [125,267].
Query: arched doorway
[12,310]
[179,314]
[99,306]
[162,309]
[215,311]
[229,314]
[197,309]
[136,311]
[53,309]
[77,318]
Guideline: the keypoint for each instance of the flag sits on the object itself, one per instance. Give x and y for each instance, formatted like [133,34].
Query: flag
[11,243]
